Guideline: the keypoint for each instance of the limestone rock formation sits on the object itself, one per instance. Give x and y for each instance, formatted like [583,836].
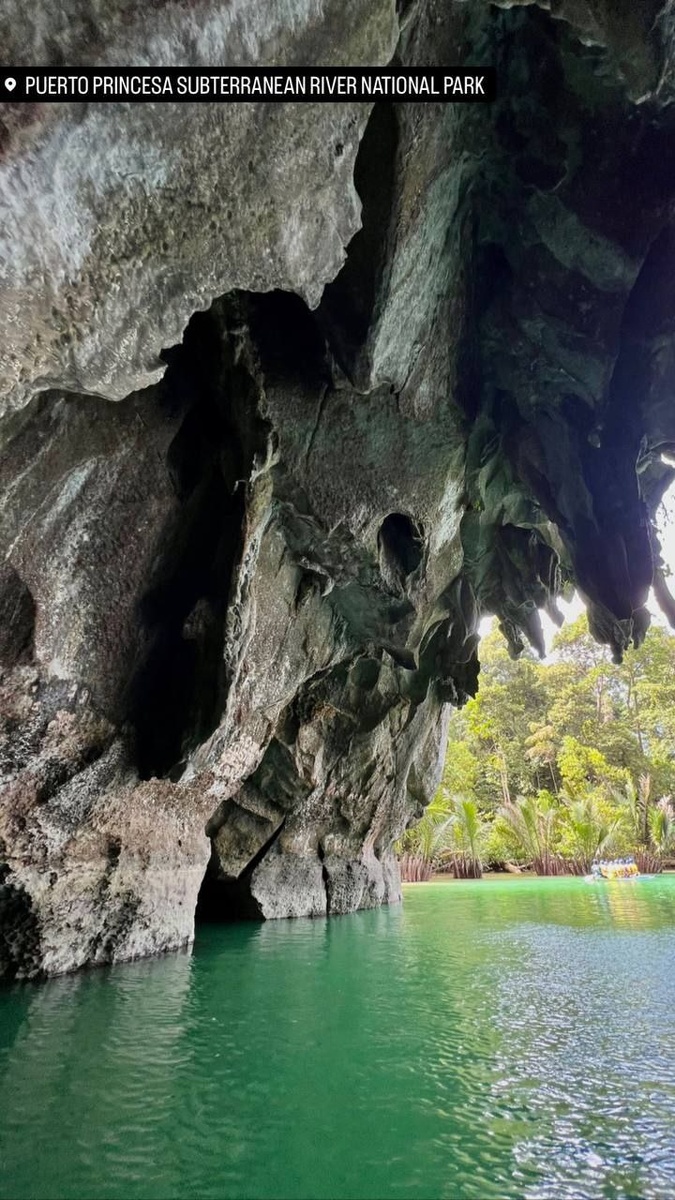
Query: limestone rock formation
[291,395]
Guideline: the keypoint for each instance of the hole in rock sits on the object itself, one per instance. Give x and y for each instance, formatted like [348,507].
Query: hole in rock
[403,7]
[223,897]
[288,338]
[223,900]
[178,690]
[400,544]
[325,877]
[19,929]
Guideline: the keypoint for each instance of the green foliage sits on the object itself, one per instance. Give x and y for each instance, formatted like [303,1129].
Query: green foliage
[460,773]
[588,829]
[582,767]
[427,839]
[662,826]
[554,763]
[531,823]
[451,832]
[468,832]
[634,804]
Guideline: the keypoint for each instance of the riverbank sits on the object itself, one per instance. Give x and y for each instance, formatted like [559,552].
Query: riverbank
[505,876]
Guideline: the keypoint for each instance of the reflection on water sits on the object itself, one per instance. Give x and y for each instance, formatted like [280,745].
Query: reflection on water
[634,904]
[91,1049]
[498,1039]
[586,1049]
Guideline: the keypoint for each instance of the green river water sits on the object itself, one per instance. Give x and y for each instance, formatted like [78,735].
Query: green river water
[493,1039]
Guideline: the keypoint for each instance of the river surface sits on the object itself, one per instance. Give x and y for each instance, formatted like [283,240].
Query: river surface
[493,1039]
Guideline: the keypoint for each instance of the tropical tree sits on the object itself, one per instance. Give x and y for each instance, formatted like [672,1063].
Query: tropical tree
[422,846]
[530,822]
[554,762]
[467,839]
[662,827]
[588,829]
[649,825]
[635,803]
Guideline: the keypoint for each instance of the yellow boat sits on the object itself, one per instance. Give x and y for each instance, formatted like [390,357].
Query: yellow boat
[618,868]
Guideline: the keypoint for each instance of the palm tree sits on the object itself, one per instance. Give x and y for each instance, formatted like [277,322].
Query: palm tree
[638,806]
[647,823]
[585,832]
[467,839]
[421,847]
[662,827]
[532,822]
[450,831]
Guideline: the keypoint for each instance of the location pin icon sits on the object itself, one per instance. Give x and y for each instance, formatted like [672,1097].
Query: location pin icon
[10,84]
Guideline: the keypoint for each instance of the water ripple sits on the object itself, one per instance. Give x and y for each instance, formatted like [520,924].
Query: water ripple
[511,1040]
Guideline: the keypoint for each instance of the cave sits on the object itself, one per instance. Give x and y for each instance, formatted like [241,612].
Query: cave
[225,897]
[293,397]
[223,901]
[401,545]
[288,338]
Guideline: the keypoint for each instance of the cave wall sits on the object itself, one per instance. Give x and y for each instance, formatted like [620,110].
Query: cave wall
[290,396]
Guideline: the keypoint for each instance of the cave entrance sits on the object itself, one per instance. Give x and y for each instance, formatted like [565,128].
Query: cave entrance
[554,764]
[225,900]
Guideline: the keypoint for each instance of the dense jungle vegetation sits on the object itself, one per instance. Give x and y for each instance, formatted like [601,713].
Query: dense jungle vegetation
[555,763]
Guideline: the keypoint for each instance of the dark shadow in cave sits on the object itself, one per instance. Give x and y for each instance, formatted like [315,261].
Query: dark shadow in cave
[347,305]
[179,687]
[623,544]
[400,543]
[288,339]
[178,690]
[17,618]
[223,899]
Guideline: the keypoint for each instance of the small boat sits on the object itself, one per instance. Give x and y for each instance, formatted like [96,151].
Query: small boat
[614,869]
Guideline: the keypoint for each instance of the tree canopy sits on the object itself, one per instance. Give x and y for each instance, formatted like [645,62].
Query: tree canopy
[562,760]
[575,722]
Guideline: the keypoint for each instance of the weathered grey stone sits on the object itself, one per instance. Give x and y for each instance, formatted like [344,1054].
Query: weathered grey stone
[119,221]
